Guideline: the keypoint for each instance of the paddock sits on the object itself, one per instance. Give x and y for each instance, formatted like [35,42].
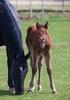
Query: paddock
[59,28]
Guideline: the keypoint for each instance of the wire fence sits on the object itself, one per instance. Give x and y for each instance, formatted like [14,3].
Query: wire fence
[42,6]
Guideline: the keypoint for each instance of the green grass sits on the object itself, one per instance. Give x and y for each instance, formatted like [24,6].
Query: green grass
[59,28]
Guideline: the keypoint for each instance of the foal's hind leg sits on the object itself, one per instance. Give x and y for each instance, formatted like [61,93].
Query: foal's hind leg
[39,73]
[49,70]
[34,70]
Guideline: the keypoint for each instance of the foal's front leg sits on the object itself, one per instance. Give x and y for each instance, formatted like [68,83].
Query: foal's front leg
[49,70]
[34,70]
[39,73]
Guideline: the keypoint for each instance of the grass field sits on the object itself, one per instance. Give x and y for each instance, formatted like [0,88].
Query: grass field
[59,28]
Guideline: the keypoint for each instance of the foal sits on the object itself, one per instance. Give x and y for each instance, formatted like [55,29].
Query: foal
[39,44]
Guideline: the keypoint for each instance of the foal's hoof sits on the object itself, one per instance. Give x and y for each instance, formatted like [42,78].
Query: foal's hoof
[29,91]
[54,92]
[40,88]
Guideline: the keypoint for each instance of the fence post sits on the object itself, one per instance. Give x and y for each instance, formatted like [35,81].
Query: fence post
[16,5]
[42,11]
[63,6]
[30,8]
[42,8]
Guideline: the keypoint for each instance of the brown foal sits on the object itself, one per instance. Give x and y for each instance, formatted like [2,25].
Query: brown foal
[39,44]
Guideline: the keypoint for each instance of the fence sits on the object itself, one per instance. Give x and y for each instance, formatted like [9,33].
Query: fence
[41,5]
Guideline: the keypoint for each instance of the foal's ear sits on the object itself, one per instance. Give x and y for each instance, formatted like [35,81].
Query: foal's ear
[46,25]
[37,25]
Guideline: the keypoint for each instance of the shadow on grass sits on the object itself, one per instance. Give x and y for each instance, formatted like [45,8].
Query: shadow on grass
[5,92]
